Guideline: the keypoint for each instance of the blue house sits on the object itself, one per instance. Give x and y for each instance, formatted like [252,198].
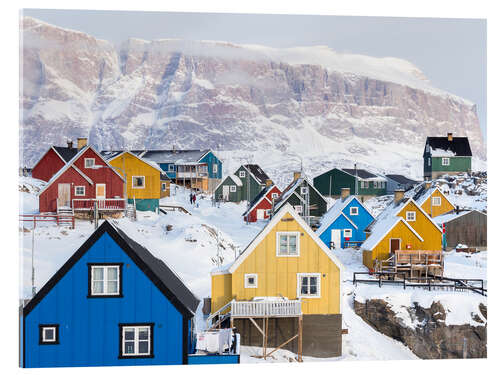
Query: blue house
[344,223]
[112,303]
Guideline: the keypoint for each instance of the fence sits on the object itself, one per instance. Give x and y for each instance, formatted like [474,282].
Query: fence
[265,308]
[58,219]
[108,204]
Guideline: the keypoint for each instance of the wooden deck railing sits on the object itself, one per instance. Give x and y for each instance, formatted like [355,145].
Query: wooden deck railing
[266,308]
[65,220]
[108,204]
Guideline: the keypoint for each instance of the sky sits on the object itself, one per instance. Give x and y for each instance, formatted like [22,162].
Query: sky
[450,52]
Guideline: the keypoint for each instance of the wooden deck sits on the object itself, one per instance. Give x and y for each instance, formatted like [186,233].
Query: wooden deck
[413,263]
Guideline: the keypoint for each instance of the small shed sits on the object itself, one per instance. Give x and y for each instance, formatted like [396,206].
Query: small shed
[465,227]
[229,190]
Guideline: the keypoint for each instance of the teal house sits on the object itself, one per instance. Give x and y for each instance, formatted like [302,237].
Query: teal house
[446,155]
[360,182]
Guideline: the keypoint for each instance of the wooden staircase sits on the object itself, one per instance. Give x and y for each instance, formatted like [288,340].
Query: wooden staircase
[131,212]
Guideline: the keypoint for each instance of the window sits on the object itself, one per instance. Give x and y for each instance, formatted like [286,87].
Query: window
[365,184]
[163,186]
[251,280]
[171,168]
[304,190]
[242,174]
[136,340]
[445,161]
[138,182]
[48,334]
[308,285]
[104,280]
[347,233]
[298,209]
[375,184]
[268,212]
[429,162]
[79,191]
[232,188]
[353,211]
[436,201]
[411,216]
[288,244]
[214,168]
[274,195]
[89,162]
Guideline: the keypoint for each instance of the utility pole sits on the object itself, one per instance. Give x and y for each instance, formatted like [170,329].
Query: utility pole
[356,182]
[33,288]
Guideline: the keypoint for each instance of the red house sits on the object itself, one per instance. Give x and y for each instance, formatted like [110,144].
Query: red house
[54,159]
[85,179]
[260,207]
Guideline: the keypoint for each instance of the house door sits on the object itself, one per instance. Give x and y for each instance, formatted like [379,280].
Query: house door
[260,214]
[100,191]
[64,195]
[395,245]
[335,240]
[225,193]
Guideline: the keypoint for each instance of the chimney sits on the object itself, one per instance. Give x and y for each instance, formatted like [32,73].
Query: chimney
[269,182]
[70,144]
[82,142]
[345,192]
[296,175]
[450,137]
[398,195]
[427,184]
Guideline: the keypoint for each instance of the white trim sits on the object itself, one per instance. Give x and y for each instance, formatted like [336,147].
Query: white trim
[381,237]
[136,340]
[85,163]
[443,159]
[280,203]
[352,213]
[96,188]
[256,278]
[61,172]
[333,219]
[414,216]
[347,236]
[433,199]
[54,335]
[442,196]
[232,188]
[242,174]
[138,187]
[298,208]
[145,161]
[104,280]
[277,195]
[79,195]
[304,190]
[421,210]
[51,148]
[261,199]
[297,244]
[287,209]
[318,276]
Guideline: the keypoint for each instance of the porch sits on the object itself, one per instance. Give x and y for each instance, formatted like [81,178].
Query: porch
[413,263]
[107,204]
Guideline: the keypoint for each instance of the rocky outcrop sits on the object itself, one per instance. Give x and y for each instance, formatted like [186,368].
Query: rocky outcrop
[218,95]
[429,337]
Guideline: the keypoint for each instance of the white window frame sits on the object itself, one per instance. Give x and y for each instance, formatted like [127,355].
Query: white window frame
[347,233]
[298,209]
[138,187]
[365,184]
[171,168]
[45,340]
[409,215]
[297,244]
[88,160]
[445,162]
[434,200]
[232,188]
[256,280]
[274,195]
[79,195]
[304,190]
[105,280]
[214,168]
[354,213]
[299,285]
[242,174]
[136,340]
[268,212]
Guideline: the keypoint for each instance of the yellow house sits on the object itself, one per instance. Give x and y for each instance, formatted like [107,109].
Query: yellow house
[286,264]
[434,202]
[402,226]
[144,180]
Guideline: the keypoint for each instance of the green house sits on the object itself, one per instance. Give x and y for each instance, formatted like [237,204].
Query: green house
[368,184]
[304,198]
[229,190]
[446,155]
[243,185]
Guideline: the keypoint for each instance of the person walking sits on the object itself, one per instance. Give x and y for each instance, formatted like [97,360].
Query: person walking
[190,197]
[194,199]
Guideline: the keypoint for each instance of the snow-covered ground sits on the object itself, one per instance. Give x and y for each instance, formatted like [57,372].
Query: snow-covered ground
[194,245]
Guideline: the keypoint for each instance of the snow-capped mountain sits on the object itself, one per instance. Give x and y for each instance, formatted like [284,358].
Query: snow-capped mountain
[243,101]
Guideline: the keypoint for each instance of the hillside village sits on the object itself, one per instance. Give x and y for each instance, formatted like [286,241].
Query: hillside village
[242,270]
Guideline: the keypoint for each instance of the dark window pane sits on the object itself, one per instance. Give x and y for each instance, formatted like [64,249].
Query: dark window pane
[129,334]
[49,334]
[143,334]
[303,290]
[143,347]
[129,347]
[313,289]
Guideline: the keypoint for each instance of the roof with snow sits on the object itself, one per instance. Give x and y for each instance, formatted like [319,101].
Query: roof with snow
[422,194]
[458,146]
[235,179]
[258,198]
[159,273]
[400,179]
[65,152]
[257,172]
[362,173]
[335,211]
[445,218]
[174,156]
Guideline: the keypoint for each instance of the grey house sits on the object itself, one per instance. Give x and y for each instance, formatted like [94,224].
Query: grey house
[398,181]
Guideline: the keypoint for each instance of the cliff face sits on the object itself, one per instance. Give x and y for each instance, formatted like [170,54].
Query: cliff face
[311,101]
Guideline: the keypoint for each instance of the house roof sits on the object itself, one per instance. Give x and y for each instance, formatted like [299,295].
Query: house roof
[65,152]
[259,198]
[336,210]
[362,173]
[157,271]
[257,173]
[148,162]
[400,179]
[289,190]
[458,146]
[422,194]
[174,156]
[450,216]
[235,179]
[380,230]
